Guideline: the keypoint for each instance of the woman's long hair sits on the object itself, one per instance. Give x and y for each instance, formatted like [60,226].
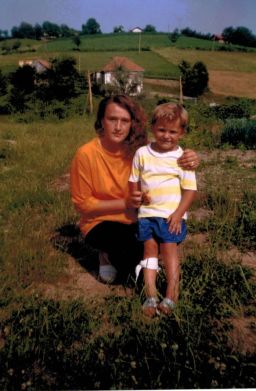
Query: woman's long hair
[137,136]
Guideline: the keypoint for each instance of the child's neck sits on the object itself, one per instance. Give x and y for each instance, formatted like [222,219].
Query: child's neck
[156,148]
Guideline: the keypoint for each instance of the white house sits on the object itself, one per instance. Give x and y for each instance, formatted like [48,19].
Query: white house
[108,73]
[136,30]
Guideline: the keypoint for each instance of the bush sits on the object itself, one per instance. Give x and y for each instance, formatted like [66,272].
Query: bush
[240,109]
[240,131]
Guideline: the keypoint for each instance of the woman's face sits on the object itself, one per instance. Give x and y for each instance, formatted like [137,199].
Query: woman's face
[116,124]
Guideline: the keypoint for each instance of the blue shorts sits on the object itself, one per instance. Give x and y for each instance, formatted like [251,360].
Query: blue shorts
[158,229]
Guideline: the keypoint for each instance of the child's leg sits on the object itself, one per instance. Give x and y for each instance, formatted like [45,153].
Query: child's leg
[170,257]
[150,251]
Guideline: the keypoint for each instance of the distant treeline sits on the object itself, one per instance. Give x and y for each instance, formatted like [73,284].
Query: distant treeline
[235,35]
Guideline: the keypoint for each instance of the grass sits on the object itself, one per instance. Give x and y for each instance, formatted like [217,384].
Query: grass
[161,61]
[221,61]
[153,63]
[105,343]
[110,42]
[96,344]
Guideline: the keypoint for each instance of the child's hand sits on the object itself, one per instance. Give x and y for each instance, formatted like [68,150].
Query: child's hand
[146,199]
[134,199]
[174,221]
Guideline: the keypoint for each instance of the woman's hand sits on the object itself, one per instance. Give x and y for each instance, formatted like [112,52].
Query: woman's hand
[189,160]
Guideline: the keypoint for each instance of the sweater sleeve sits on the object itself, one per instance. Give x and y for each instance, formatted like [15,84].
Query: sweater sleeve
[81,185]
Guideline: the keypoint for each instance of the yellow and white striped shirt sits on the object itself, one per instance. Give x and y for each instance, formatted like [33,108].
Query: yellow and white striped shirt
[160,175]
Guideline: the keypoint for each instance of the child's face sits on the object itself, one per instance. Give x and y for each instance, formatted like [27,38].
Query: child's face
[167,134]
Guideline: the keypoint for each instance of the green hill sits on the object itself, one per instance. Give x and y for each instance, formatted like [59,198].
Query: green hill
[154,52]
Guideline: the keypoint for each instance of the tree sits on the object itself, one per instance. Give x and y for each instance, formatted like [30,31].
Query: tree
[61,82]
[25,30]
[239,36]
[51,29]
[174,35]
[118,29]
[77,41]
[23,85]
[194,78]
[91,27]
[38,31]
[149,29]
[23,79]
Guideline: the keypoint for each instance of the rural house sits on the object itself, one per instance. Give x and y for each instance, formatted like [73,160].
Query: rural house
[136,30]
[39,65]
[218,38]
[107,76]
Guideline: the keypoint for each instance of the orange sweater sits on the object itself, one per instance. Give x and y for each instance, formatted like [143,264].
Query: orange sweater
[97,174]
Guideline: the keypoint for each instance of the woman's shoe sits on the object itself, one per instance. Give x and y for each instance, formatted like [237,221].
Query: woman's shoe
[149,307]
[107,272]
[166,306]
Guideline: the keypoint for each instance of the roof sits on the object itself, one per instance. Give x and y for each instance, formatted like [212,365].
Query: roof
[44,63]
[136,28]
[124,62]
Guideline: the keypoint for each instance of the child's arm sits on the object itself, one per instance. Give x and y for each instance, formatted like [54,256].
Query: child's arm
[175,218]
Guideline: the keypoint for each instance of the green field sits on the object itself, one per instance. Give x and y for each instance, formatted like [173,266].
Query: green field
[161,61]
[221,61]
[110,42]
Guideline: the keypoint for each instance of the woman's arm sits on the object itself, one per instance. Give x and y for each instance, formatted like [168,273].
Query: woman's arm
[189,160]
[82,194]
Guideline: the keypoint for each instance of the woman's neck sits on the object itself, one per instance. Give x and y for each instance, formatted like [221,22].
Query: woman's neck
[111,147]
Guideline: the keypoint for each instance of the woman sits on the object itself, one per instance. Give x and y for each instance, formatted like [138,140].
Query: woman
[99,185]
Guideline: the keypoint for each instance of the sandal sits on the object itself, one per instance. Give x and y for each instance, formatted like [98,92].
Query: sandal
[149,307]
[166,306]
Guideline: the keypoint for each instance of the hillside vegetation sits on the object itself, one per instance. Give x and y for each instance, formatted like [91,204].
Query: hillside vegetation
[154,52]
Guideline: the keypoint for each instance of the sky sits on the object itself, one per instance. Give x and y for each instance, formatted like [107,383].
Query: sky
[205,16]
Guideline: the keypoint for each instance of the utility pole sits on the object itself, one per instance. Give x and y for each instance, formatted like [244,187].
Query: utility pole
[139,41]
[181,92]
[89,96]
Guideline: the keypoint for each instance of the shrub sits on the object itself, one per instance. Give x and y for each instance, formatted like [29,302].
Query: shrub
[240,131]
[240,109]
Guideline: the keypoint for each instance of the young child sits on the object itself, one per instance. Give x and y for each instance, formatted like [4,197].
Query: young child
[167,193]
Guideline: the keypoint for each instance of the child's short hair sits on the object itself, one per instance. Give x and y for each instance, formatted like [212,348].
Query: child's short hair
[172,112]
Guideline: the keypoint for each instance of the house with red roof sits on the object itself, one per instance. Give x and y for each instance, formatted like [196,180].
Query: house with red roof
[108,74]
